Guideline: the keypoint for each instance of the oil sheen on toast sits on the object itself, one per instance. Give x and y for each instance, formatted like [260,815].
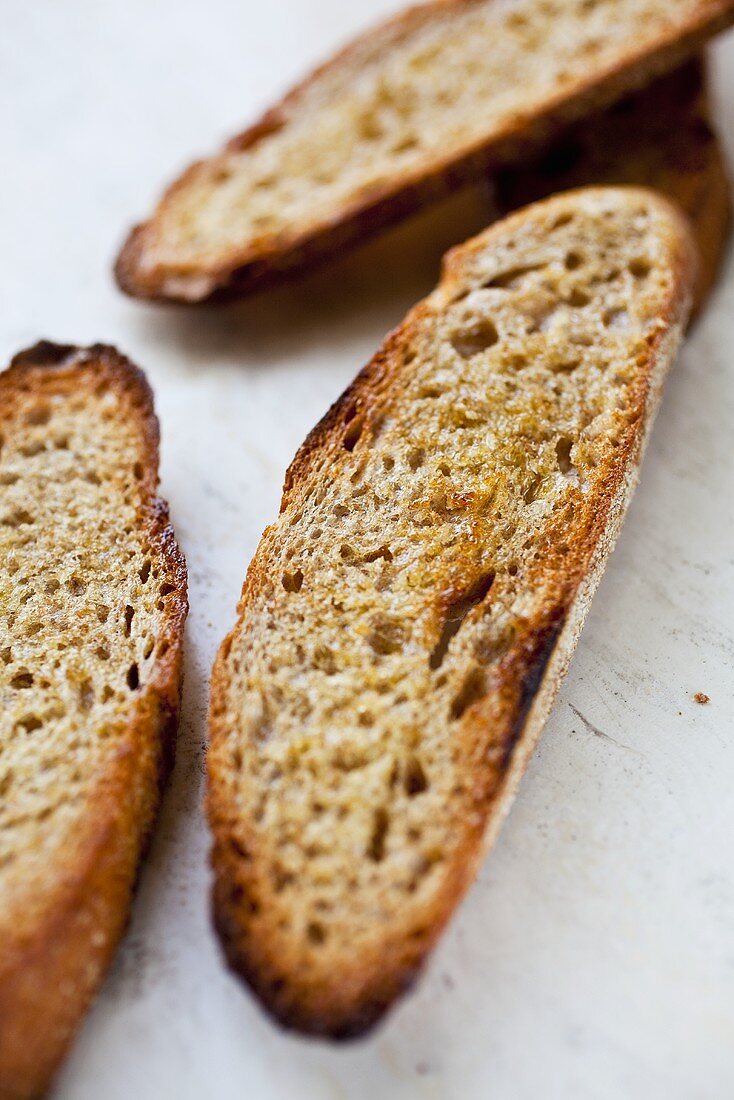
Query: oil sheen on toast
[406,620]
[91,622]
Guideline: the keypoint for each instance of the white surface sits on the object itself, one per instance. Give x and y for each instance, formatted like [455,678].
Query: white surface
[595,956]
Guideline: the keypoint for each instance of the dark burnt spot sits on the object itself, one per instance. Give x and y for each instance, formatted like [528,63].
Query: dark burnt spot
[44,354]
[537,662]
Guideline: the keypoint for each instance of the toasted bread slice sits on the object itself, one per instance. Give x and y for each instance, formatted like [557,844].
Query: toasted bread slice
[92,608]
[406,620]
[661,137]
[438,95]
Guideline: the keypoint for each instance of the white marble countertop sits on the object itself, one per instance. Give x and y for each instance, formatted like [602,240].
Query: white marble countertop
[594,958]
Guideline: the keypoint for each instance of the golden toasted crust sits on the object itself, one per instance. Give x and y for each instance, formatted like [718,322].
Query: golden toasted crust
[342,981]
[55,950]
[259,260]
[661,137]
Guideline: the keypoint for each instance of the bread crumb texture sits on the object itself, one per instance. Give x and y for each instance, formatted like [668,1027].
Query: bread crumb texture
[396,619]
[88,573]
[396,108]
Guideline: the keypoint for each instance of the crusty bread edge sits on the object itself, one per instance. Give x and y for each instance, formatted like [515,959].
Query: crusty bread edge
[48,980]
[252,268]
[350,1012]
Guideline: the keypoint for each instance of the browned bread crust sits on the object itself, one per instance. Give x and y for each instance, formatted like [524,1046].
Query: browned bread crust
[57,937]
[406,621]
[661,137]
[151,266]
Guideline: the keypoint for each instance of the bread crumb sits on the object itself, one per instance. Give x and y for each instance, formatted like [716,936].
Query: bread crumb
[699,697]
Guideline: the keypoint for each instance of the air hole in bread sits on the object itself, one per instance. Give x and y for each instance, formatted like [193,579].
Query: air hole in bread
[416,457]
[640,268]
[292,582]
[30,723]
[236,893]
[323,659]
[378,836]
[39,415]
[472,341]
[565,462]
[455,616]
[517,20]
[129,616]
[578,298]
[28,450]
[133,677]
[531,492]
[510,279]
[565,366]
[406,144]
[22,680]
[562,220]
[617,319]
[387,635]
[18,518]
[353,433]
[315,932]
[381,552]
[86,695]
[473,688]
[415,780]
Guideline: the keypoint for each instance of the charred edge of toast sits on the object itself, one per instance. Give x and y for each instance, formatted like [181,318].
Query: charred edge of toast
[541,651]
[48,353]
[45,353]
[283,1007]
[371,213]
[272,991]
